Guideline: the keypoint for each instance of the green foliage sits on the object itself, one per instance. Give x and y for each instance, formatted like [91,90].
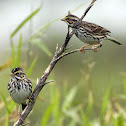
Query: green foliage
[90,103]
[24,22]
[13,54]
[19,51]
[6,120]
[31,67]
[47,114]
[61,109]
[36,38]
[42,46]
[120,121]
[69,99]
[105,102]
[124,85]
[84,118]
[16,54]
[55,98]
[5,103]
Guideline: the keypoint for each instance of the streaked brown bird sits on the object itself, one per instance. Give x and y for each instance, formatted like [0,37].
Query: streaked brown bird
[90,33]
[19,86]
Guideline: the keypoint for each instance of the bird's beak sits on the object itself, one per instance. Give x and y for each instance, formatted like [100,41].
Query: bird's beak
[12,75]
[63,19]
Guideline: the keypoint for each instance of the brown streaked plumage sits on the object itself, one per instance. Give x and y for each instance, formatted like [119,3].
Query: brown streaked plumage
[19,86]
[90,33]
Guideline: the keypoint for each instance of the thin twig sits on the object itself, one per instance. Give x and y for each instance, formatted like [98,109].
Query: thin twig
[46,82]
[65,54]
[25,124]
[73,51]
[69,47]
[89,7]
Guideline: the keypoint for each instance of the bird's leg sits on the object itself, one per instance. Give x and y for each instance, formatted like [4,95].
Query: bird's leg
[68,29]
[19,110]
[82,48]
[19,113]
[95,47]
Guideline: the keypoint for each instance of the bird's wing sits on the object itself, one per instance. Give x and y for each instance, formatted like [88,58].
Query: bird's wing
[95,29]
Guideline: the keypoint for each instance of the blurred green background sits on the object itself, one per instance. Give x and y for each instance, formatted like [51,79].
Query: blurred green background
[88,89]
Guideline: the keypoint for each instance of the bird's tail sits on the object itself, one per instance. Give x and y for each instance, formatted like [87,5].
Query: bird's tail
[113,40]
[23,106]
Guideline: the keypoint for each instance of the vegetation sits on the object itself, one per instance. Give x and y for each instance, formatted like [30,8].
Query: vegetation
[62,104]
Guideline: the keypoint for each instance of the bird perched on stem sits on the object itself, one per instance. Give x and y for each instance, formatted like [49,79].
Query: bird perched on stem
[19,87]
[89,33]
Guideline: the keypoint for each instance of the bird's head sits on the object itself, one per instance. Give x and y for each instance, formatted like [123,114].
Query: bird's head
[71,20]
[17,73]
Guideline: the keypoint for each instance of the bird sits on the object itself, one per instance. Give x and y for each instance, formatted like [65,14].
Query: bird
[87,32]
[19,87]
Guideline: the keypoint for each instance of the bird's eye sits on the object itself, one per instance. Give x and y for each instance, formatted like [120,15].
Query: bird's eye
[68,18]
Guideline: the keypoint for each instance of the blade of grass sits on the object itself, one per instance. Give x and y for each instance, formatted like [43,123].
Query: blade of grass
[73,114]
[72,123]
[105,102]
[90,103]
[31,67]
[5,102]
[19,51]
[38,34]
[69,98]
[55,99]
[124,85]
[42,46]
[12,105]
[85,121]
[46,115]
[6,119]
[120,121]
[13,54]
[25,21]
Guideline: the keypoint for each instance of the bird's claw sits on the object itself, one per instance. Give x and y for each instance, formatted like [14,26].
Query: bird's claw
[94,48]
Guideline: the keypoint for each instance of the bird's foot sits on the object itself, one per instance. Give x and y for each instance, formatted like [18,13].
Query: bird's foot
[94,48]
[31,99]
[82,48]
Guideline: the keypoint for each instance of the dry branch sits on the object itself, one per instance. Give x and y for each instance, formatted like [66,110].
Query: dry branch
[86,11]
[42,82]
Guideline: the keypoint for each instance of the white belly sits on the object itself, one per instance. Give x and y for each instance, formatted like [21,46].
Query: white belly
[20,96]
[86,38]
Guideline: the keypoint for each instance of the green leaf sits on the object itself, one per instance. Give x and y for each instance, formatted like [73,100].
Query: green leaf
[105,102]
[124,85]
[90,103]
[31,67]
[25,21]
[55,99]
[12,105]
[42,46]
[6,119]
[19,51]
[120,121]
[69,98]
[73,113]
[72,123]
[38,34]
[13,54]
[46,115]
[5,102]
[85,121]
